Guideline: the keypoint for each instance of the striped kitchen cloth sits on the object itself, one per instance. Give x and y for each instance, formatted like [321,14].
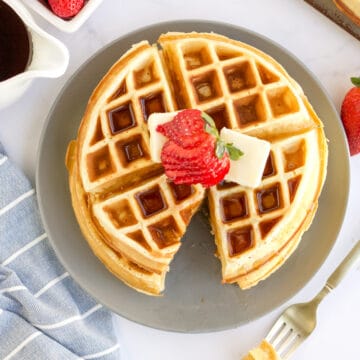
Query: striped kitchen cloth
[44,314]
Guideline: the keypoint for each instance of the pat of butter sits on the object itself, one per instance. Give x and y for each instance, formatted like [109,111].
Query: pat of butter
[158,140]
[249,168]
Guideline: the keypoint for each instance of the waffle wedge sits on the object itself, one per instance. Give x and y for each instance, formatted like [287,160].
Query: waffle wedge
[255,230]
[133,217]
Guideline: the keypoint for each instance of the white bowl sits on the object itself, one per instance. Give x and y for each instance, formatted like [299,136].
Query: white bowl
[65,25]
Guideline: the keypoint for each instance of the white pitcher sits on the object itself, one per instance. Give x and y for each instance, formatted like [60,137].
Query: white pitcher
[49,59]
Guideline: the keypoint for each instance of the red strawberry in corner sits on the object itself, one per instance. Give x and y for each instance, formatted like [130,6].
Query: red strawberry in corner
[66,8]
[194,153]
[350,116]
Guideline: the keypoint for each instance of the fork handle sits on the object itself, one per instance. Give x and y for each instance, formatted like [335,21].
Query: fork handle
[349,261]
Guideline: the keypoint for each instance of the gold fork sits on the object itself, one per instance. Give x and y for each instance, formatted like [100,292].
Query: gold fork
[298,321]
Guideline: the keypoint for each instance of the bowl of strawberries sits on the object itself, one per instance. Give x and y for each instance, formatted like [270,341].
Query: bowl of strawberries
[66,15]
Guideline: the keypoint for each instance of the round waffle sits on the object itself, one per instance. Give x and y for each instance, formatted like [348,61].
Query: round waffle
[134,218]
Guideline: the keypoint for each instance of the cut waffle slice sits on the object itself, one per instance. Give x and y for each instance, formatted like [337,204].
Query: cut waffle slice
[137,216]
[238,85]
[256,230]
[146,222]
[113,137]
[130,273]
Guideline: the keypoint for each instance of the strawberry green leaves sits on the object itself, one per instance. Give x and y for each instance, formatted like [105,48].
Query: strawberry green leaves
[233,151]
[355,81]
[221,147]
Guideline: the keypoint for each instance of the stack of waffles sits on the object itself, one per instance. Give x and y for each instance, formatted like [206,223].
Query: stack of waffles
[134,217]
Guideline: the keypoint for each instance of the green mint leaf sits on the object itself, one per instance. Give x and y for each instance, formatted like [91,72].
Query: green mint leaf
[233,152]
[220,149]
[210,130]
[356,81]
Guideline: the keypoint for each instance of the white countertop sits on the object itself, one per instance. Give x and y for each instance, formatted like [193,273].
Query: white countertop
[330,53]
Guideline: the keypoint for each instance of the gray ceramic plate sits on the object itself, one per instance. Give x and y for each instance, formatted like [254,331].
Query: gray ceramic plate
[194,299]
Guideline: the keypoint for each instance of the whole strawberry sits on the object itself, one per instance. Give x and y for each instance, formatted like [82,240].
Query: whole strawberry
[194,153]
[350,116]
[66,8]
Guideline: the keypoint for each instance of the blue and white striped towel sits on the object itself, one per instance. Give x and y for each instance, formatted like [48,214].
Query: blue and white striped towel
[44,314]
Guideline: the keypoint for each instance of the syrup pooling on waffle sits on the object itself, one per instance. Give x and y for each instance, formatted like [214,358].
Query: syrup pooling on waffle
[234,85]
[116,144]
[249,217]
[152,219]
[132,274]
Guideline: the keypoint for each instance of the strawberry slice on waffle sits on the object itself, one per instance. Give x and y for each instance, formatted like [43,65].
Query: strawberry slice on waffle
[194,152]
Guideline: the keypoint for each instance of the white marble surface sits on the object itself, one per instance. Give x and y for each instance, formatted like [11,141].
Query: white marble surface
[333,56]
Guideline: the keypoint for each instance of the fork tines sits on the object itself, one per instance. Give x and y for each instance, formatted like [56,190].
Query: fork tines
[284,338]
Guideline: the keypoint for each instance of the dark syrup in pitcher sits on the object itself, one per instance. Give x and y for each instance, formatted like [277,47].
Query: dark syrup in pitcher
[15,43]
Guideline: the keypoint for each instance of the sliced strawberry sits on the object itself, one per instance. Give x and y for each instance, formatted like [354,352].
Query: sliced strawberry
[186,129]
[194,153]
[207,179]
[196,165]
[172,152]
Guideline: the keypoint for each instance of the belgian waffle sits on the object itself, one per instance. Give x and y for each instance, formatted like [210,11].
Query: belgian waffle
[255,229]
[133,217]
